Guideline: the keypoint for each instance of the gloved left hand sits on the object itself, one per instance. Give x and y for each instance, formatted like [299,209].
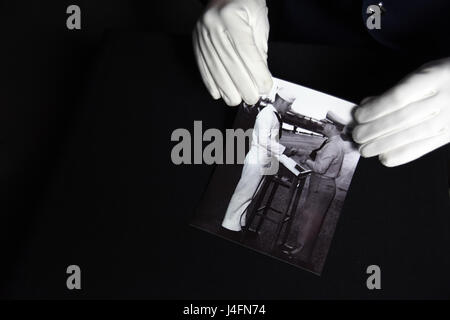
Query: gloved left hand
[409,120]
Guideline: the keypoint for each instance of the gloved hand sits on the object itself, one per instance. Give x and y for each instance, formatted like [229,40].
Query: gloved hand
[409,120]
[230,44]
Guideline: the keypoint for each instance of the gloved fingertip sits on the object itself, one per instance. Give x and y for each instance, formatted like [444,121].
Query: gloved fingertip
[386,161]
[357,135]
[234,102]
[366,151]
[361,151]
[359,115]
[232,98]
[215,95]
[251,100]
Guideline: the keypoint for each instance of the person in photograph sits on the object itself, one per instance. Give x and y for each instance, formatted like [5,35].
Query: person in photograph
[326,163]
[261,159]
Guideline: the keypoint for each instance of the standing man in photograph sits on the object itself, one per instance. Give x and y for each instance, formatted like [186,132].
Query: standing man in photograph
[326,166]
[261,160]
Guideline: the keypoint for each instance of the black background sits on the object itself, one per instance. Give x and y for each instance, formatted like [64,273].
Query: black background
[86,118]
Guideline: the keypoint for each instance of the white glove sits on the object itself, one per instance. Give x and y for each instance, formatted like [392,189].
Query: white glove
[409,120]
[230,43]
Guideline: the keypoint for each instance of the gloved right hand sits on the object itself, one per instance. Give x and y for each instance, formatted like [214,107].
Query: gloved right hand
[230,44]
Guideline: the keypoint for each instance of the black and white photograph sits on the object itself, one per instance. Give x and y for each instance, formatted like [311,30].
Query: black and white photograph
[286,198]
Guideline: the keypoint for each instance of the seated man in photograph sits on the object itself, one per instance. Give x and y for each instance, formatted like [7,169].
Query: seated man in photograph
[261,159]
[326,163]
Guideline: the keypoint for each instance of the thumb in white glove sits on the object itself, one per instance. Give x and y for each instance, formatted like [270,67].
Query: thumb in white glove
[230,44]
[409,120]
